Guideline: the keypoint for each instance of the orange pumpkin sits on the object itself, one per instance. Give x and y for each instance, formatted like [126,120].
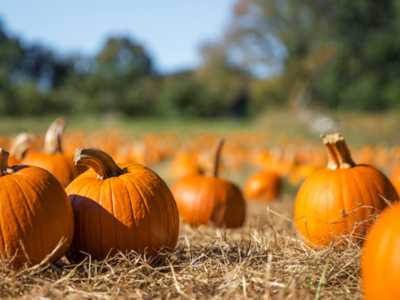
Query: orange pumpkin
[263,187]
[334,204]
[202,199]
[59,164]
[380,268]
[20,146]
[124,207]
[395,179]
[34,209]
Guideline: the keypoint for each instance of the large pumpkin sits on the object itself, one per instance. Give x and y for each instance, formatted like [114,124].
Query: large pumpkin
[34,210]
[202,199]
[263,187]
[124,207]
[334,204]
[380,267]
[53,159]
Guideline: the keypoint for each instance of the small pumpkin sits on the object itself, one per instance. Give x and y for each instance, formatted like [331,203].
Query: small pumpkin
[35,210]
[380,268]
[20,146]
[202,199]
[124,207]
[263,187]
[334,204]
[53,159]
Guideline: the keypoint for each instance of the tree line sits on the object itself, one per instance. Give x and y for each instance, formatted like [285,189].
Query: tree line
[333,54]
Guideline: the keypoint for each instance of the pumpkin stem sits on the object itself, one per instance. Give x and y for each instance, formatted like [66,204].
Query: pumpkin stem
[217,155]
[3,162]
[99,161]
[52,140]
[21,144]
[338,153]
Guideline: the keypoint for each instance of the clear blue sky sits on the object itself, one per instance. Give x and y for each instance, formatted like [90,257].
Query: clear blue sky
[170,30]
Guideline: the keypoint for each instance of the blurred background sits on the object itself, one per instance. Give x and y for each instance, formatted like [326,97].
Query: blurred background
[301,66]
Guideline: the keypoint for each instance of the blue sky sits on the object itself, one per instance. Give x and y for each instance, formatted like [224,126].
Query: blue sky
[171,30]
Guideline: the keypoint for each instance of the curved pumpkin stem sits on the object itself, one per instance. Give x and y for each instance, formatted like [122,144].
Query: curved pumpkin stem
[99,161]
[217,155]
[3,162]
[52,140]
[21,144]
[338,153]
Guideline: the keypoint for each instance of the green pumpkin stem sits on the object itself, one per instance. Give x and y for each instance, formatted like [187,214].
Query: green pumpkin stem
[217,156]
[99,161]
[339,156]
[52,140]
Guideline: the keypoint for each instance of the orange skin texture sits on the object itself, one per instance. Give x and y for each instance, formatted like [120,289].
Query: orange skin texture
[380,269]
[134,211]
[13,161]
[330,202]
[34,208]
[263,187]
[61,165]
[395,180]
[202,199]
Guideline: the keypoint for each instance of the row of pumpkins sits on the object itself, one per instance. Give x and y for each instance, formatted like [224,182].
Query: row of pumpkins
[127,207]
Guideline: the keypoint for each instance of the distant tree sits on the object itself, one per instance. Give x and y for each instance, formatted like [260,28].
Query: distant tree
[366,73]
[114,79]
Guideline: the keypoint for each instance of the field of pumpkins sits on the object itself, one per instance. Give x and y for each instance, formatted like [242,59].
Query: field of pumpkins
[207,216]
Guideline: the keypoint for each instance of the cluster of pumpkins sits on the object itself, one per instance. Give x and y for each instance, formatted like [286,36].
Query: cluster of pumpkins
[127,207]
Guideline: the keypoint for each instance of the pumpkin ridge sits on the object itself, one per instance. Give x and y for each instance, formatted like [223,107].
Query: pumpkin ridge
[30,209]
[203,190]
[374,198]
[219,208]
[90,195]
[350,229]
[113,213]
[155,190]
[320,193]
[99,214]
[74,203]
[34,183]
[132,210]
[157,203]
[360,193]
[144,205]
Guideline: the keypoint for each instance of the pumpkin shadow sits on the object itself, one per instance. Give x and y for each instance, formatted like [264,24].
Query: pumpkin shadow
[101,235]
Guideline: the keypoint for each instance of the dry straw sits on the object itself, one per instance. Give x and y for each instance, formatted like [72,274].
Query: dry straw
[264,259]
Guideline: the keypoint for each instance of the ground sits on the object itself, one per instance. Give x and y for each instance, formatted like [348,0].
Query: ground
[263,259]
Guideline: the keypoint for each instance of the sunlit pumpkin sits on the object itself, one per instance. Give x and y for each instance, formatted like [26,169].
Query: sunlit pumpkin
[380,267]
[124,207]
[20,146]
[395,179]
[263,187]
[34,211]
[202,199]
[53,159]
[334,204]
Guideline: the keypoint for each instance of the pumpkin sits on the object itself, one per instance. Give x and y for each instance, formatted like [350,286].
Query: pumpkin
[35,210]
[395,179]
[263,187]
[20,146]
[124,207]
[202,199]
[334,204]
[53,159]
[380,269]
